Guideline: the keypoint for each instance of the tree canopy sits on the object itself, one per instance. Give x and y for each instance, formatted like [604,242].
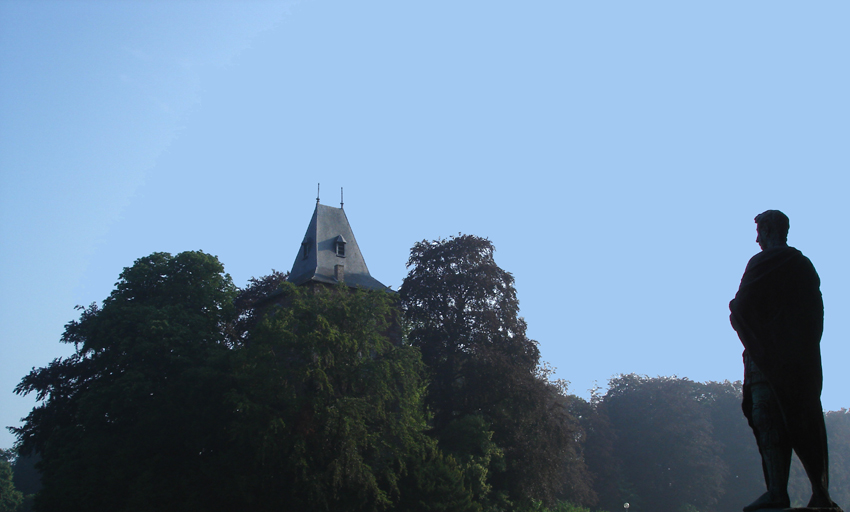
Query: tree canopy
[329,412]
[463,314]
[128,420]
[664,439]
[186,393]
[10,497]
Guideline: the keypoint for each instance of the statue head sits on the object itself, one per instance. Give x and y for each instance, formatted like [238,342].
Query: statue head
[772,228]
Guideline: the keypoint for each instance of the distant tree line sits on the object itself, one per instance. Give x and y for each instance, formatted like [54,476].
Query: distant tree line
[187,393]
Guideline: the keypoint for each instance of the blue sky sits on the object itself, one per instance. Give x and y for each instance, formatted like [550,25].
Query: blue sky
[614,152]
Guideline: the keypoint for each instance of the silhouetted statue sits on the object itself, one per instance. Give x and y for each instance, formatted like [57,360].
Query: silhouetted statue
[778,315]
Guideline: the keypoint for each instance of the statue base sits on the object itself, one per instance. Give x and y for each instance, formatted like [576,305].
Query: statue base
[802,509]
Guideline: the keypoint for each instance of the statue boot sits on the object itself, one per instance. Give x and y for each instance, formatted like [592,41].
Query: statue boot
[774,447]
[814,461]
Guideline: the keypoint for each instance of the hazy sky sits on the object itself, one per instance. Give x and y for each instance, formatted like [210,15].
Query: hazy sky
[614,152]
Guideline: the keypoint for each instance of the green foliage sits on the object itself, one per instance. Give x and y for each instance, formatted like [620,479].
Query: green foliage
[743,480]
[179,397]
[184,393]
[436,483]
[642,426]
[10,498]
[249,303]
[463,314]
[560,506]
[566,506]
[330,412]
[128,421]
[26,477]
[470,441]
[598,456]
[665,443]
[838,434]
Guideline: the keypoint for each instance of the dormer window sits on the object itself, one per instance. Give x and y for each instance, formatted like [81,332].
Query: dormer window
[339,246]
[305,248]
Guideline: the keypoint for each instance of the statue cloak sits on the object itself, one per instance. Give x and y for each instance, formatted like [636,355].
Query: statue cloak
[778,315]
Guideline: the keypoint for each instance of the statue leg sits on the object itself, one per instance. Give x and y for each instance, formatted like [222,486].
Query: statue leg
[808,433]
[774,446]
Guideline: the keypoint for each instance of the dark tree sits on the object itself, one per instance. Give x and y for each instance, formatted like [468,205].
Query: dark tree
[695,429]
[10,498]
[330,412]
[743,474]
[435,482]
[27,478]
[130,420]
[182,396]
[463,314]
[250,304]
[670,459]
[603,468]
[838,430]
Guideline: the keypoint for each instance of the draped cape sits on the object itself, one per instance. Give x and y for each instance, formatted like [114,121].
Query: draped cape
[778,315]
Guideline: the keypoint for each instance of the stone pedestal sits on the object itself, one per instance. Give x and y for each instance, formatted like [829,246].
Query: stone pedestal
[801,509]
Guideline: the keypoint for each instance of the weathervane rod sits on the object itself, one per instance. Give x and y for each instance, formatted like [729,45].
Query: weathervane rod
[318,189]
[340,198]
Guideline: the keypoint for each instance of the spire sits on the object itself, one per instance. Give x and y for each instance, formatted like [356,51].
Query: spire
[329,252]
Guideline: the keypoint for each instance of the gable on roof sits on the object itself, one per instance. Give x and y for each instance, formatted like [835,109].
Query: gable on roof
[329,253]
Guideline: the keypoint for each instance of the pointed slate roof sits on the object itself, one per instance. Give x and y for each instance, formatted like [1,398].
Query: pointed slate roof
[319,259]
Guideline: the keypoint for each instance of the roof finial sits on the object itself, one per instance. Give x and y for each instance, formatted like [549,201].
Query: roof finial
[318,189]
[340,198]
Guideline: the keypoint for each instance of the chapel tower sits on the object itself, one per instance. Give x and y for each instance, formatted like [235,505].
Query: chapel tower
[329,253]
